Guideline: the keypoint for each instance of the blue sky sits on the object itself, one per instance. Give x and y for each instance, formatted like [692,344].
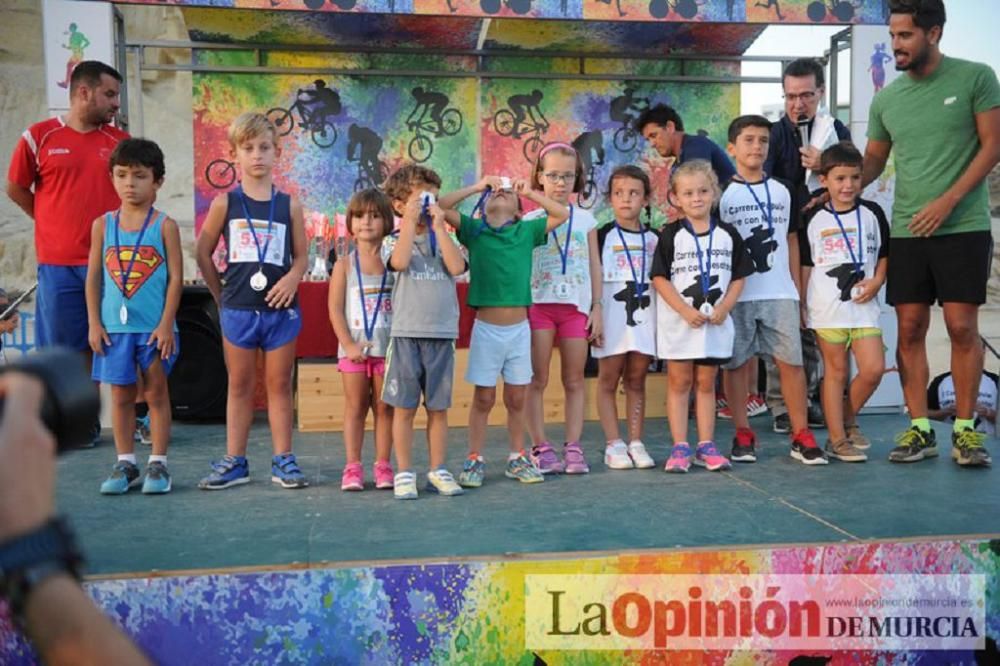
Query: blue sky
[970,33]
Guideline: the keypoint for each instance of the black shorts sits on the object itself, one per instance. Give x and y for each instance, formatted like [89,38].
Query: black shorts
[945,269]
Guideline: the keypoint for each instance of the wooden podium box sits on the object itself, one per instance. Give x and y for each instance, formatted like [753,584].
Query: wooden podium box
[320,397]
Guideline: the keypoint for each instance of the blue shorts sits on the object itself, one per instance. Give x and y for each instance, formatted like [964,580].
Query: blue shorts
[118,363]
[261,329]
[61,307]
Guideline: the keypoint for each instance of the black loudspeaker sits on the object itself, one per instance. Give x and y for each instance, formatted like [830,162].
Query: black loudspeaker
[198,383]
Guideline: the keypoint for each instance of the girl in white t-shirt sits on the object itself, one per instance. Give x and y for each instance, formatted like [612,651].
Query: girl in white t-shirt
[626,250]
[566,297]
[698,273]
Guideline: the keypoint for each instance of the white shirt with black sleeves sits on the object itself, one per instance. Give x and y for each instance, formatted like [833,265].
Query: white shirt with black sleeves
[743,205]
[833,253]
[677,260]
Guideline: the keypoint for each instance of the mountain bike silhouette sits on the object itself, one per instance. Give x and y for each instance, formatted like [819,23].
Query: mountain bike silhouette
[220,173]
[626,138]
[588,193]
[519,7]
[421,147]
[503,123]
[366,178]
[686,9]
[842,10]
[323,132]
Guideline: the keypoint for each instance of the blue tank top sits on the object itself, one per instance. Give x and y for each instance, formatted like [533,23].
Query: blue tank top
[144,293]
[242,253]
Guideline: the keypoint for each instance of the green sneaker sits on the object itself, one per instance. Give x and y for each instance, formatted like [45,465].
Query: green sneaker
[520,468]
[968,450]
[473,472]
[914,445]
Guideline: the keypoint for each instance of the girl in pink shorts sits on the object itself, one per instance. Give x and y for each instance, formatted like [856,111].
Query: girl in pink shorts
[361,311]
[566,292]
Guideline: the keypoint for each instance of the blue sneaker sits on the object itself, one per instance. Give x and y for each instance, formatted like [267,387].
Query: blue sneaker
[157,479]
[286,473]
[230,471]
[124,475]
[473,472]
[520,468]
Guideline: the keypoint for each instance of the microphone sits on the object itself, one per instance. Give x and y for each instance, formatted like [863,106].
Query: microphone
[803,125]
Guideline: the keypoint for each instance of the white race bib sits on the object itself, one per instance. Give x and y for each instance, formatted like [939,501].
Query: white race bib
[242,248]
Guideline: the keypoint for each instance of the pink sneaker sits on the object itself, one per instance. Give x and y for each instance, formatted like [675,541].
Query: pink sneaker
[546,460]
[353,477]
[383,475]
[574,460]
[707,456]
[679,461]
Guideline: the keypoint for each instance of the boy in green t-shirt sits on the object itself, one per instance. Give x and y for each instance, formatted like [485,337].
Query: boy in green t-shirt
[942,123]
[500,249]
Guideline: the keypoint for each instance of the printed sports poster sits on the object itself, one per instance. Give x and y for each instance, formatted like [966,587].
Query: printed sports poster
[73,32]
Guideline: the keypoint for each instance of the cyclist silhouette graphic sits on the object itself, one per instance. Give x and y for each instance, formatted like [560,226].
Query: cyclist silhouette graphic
[589,148]
[363,147]
[772,3]
[526,106]
[321,101]
[428,102]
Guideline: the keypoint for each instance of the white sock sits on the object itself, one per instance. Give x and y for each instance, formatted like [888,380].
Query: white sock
[616,442]
[159,459]
[128,457]
[514,455]
[637,441]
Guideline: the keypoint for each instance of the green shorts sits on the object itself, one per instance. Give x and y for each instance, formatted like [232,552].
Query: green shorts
[845,336]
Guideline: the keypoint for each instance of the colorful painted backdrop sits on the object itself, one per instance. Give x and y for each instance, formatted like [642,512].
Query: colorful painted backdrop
[717,11]
[471,613]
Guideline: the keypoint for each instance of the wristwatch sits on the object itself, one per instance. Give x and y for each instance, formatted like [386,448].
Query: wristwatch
[27,560]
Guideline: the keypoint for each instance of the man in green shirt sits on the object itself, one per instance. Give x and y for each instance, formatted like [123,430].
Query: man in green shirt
[942,121]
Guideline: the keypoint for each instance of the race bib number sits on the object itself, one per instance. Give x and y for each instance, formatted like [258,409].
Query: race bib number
[371,301]
[243,249]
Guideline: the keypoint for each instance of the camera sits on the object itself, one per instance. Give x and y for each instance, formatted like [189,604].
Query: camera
[72,403]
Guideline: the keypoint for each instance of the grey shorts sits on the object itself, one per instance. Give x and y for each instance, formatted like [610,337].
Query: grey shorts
[419,365]
[769,328]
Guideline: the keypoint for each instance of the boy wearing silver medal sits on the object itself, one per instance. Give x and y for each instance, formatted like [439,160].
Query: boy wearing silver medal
[767,320]
[265,243]
[845,250]
[133,289]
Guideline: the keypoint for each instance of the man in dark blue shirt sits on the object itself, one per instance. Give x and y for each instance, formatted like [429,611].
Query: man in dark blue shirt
[664,129]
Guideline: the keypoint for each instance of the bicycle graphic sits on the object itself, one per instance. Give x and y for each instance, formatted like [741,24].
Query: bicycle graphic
[220,174]
[626,138]
[588,193]
[421,147]
[323,132]
[523,117]
[366,179]
[686,9]
[842,10]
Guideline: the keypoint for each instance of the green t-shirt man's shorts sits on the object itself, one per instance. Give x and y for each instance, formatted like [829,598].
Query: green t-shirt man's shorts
[931,124]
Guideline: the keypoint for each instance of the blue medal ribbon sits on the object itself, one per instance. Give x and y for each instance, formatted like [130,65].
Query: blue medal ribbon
[369,330]
[858,261]
[640,286]
[426,217]
[564,251]
[704,268]
[135,250]
[768,212]
[261,253]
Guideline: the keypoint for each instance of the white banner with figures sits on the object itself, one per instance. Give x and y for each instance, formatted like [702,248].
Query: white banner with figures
[873,68]
[72,32]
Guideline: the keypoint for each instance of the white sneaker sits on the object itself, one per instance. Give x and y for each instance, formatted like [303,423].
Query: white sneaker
[405,486]
[441,481]
[637,451]
[616,455]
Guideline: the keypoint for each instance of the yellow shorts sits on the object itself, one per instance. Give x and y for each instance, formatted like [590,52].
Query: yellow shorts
[845,336]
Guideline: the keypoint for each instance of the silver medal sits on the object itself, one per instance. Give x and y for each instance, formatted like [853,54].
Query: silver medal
[562,290]
[857,291]
[123,314]
[258,281]
[770,260]
[706,309]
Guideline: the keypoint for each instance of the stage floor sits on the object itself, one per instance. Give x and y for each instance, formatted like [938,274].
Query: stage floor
[775,501]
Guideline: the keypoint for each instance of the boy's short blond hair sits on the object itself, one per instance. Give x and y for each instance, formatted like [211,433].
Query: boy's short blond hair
[248,126]
[404,180]
[693,168]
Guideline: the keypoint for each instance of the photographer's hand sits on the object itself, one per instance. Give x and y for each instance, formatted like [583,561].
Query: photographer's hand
[27,457]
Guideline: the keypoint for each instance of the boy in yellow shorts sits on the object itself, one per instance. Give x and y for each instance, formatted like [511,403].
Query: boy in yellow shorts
[844,252]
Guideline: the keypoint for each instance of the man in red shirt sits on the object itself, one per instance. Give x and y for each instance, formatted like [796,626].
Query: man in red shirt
[59,176]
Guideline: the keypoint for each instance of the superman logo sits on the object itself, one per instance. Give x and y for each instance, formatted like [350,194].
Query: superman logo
[147,260]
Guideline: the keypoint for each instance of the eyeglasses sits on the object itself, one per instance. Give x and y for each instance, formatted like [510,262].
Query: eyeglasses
[807,96]
[554,177]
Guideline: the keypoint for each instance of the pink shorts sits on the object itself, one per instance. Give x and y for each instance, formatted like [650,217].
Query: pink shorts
[564,318]
[373,365]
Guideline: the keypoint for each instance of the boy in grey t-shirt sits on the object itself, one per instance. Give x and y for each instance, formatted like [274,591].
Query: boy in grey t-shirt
[421,356]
